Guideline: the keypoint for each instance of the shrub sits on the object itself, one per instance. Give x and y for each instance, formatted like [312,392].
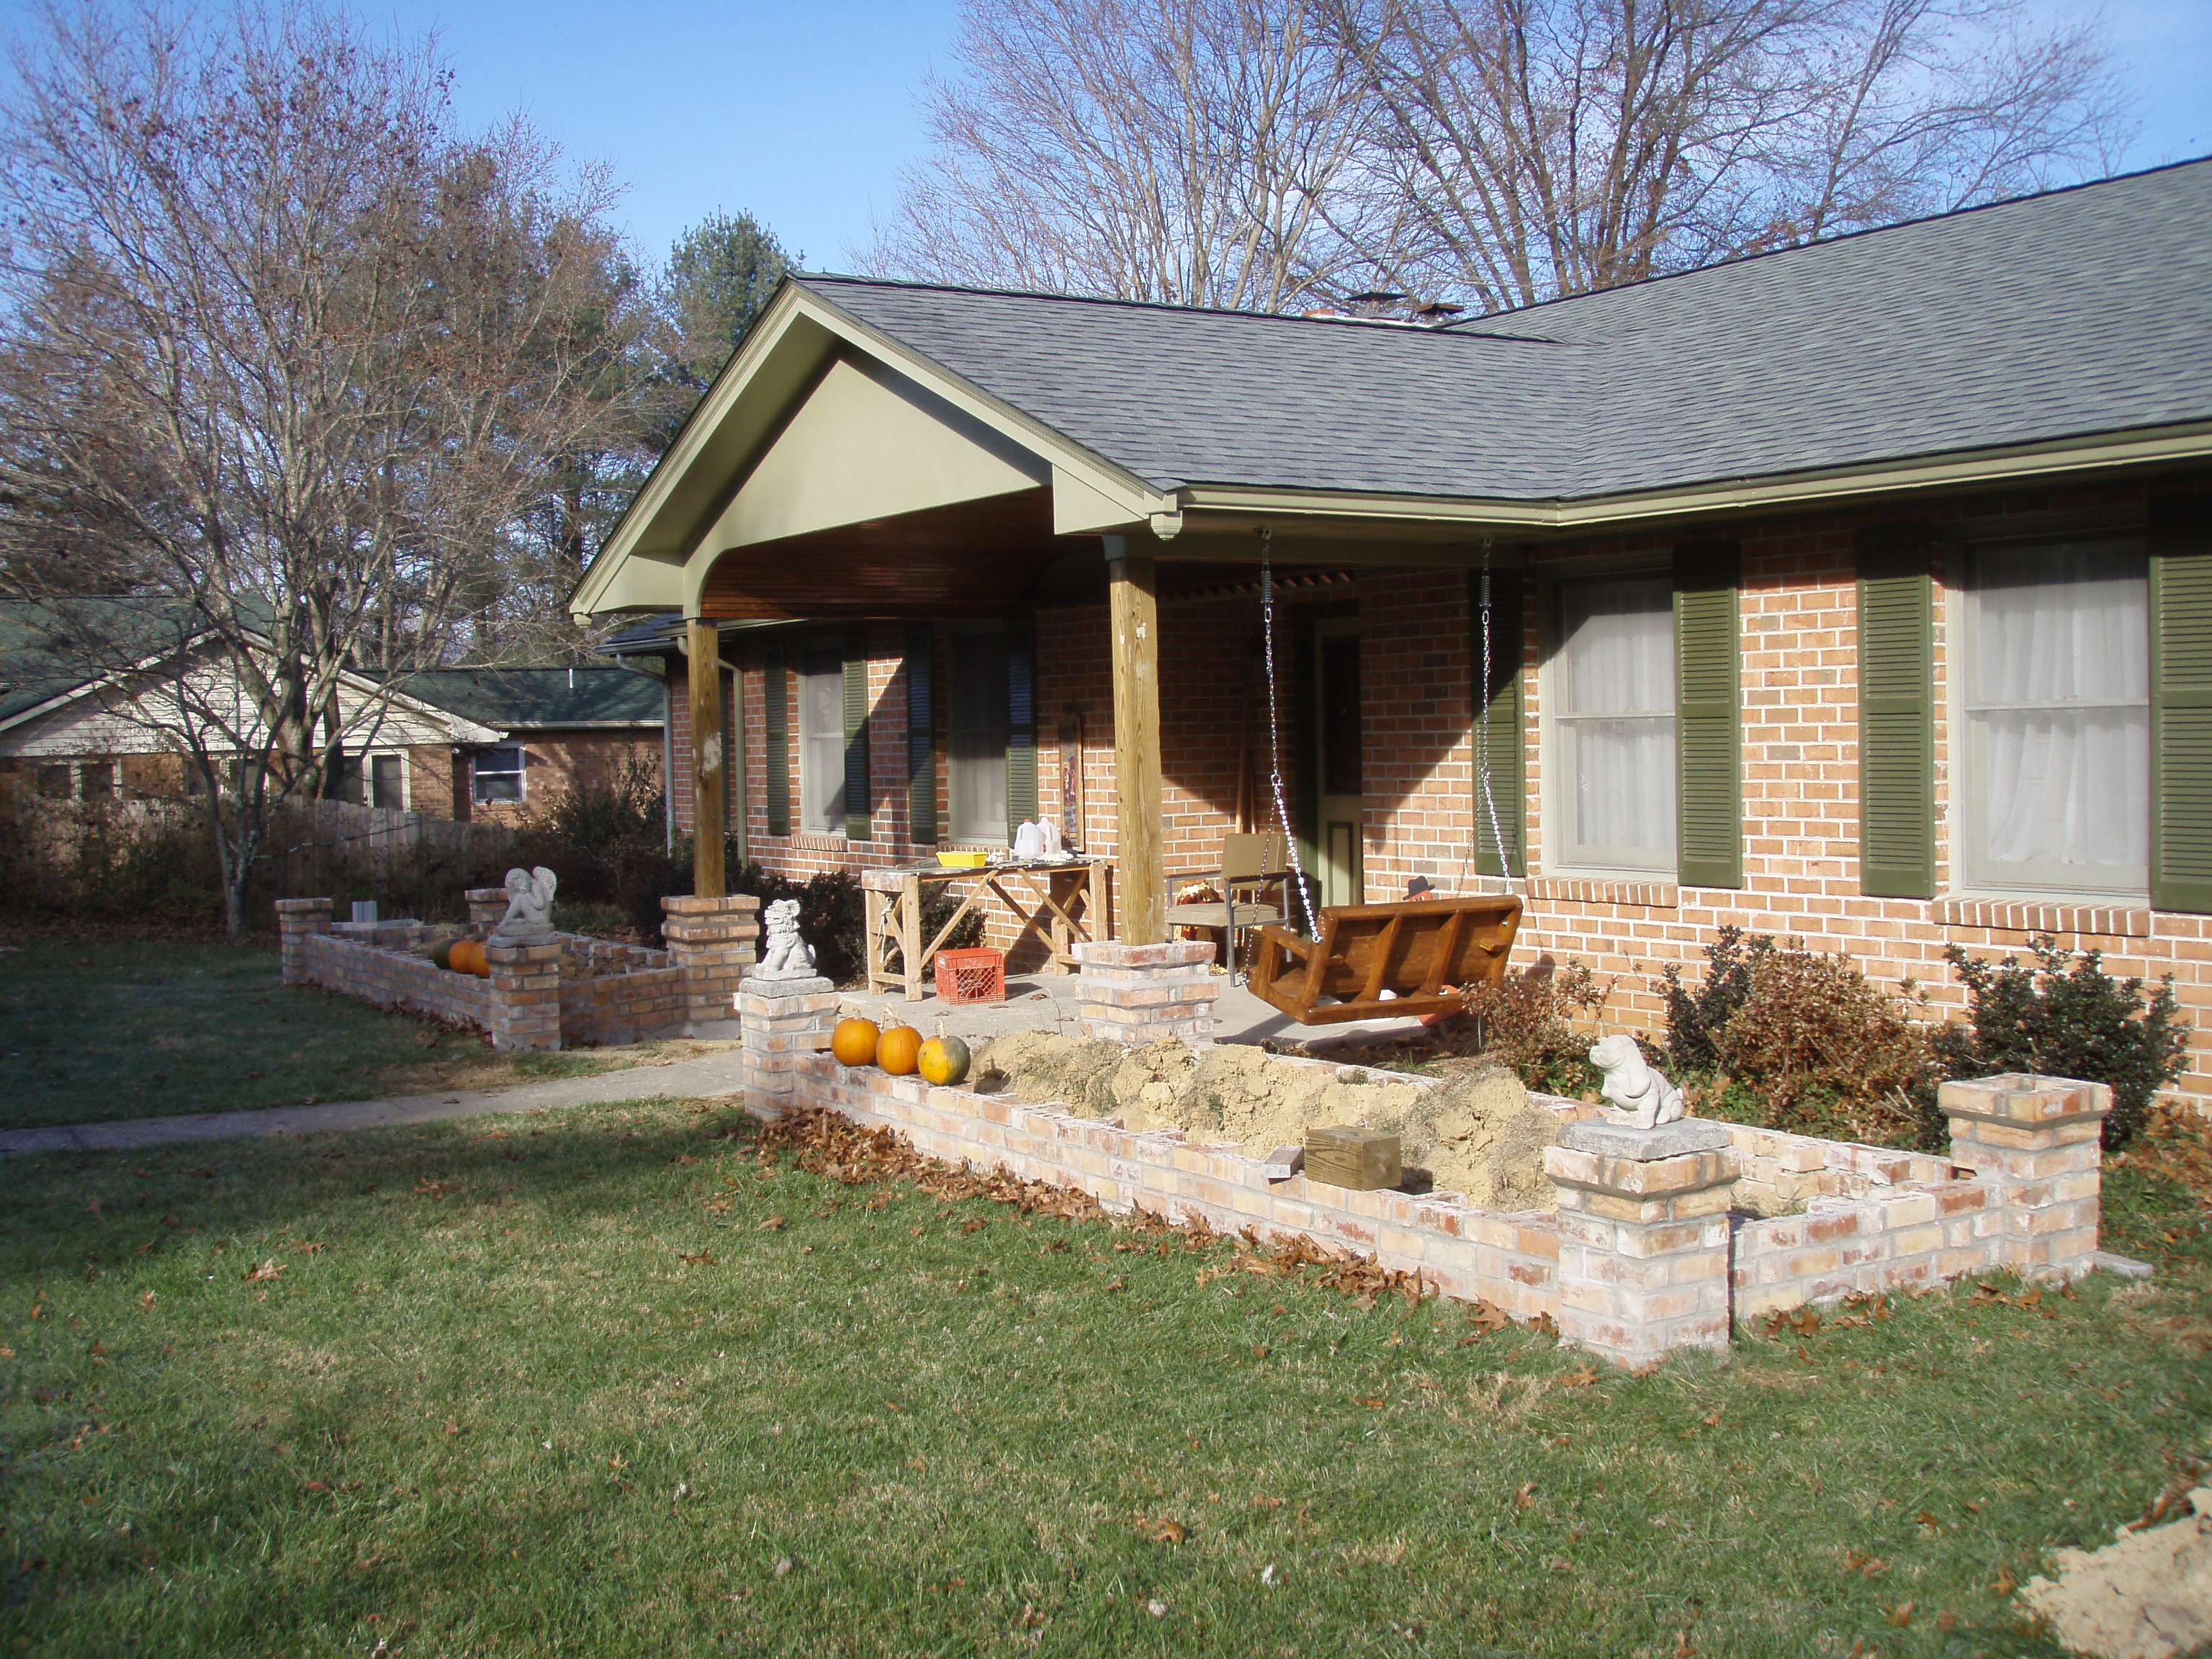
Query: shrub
[1696,1016]
[2066,1016]
[1826,1053]
[1526,1023]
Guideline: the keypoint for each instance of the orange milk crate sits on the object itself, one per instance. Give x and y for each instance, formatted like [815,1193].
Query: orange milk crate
[977,976]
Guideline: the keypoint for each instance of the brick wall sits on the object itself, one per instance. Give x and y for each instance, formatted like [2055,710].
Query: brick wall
[555,763]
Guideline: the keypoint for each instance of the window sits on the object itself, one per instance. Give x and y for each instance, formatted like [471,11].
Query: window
[1614,725]
[2057,700]
[496,774]
[976,728]
[821,743]
[96,780]
[53,782]
[385,786]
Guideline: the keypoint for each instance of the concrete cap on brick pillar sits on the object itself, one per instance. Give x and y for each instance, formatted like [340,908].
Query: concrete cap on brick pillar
[2025,1101]
[1114,953]
[300,907]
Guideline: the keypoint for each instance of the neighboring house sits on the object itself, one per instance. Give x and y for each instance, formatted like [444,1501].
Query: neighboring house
[484,743]
[559,729]
[66,735]
[1860,592]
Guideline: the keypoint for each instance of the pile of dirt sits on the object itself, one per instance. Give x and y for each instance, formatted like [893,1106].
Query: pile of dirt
[2147,1596]
[1477,1135]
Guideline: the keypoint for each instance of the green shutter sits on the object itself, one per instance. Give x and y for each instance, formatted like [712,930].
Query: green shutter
[1021,727]
[1499,709]
[776,722]
[1708,730]
[860,796]
[1897,714]
[2181,704]
[920,748]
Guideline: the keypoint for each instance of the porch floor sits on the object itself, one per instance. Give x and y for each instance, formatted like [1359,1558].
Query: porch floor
[1048,1002]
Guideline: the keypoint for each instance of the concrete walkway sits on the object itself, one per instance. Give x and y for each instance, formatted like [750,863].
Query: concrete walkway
[682,1079]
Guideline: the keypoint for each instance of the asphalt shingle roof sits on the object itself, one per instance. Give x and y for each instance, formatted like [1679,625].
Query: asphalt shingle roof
[2080,312]
[510,698]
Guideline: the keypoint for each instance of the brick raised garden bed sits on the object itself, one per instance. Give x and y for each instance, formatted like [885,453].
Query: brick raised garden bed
[569,991]
[1640,1258]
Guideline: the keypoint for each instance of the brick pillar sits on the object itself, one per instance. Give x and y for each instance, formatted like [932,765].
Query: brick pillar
[713,941]
[296,919]
[1138,994]
[2037,1139]
[1644,1237]
[781,1019]
[525,993]
[486,906]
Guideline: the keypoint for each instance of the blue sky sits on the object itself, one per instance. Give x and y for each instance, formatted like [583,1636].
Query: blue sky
[803,114]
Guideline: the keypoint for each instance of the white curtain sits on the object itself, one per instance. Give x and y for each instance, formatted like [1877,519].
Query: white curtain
[2059,712]
[822,747]
[1615,675]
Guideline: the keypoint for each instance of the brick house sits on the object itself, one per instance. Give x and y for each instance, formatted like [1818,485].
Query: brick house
[555,729]
[1860,593]
[490,743]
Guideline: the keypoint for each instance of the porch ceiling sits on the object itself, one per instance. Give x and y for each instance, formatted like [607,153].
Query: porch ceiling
[980,558]
[994,557]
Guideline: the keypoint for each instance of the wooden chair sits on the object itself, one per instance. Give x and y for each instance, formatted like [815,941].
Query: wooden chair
[1252,865]
[1413,949]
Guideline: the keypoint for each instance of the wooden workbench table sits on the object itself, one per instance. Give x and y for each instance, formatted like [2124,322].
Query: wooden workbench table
[1061,904]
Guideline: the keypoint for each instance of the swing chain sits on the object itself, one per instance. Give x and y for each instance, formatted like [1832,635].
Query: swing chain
[1274,734]
[1482,738]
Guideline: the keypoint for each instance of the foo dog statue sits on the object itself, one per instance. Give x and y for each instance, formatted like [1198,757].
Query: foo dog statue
[529,904]
[787,956]
[1643,1098]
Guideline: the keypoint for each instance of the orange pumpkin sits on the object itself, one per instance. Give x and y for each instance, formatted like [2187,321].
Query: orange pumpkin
[462,958]
[854,1041]
[898,1050]
[479,963]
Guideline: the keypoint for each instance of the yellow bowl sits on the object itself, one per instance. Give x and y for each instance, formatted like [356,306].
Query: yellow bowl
[964,860]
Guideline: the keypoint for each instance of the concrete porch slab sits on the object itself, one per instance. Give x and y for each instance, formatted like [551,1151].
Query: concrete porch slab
[1047,1002]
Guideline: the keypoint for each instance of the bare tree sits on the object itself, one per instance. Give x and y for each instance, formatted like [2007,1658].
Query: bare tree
[1551,147]
[283,358]
[1193,152]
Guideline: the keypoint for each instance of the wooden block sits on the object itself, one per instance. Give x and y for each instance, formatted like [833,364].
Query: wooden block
[1358,1158]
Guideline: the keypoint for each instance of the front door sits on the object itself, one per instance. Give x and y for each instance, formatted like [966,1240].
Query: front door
[1336,861]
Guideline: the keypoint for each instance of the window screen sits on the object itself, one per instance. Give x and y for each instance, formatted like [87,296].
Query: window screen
[1614,727]
[976,735]
[497,774]
[2058,716]
[822,744]
[385,789]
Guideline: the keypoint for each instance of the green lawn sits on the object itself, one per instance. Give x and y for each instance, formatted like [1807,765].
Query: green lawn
[93,1031]
[598,1383]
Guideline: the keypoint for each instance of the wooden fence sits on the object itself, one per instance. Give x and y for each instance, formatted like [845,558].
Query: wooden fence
[314,839]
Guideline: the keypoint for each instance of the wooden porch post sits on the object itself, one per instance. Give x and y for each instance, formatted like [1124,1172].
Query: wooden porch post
[1136,621]
[702,645]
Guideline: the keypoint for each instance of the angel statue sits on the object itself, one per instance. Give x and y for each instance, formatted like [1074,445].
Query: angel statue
[529,904]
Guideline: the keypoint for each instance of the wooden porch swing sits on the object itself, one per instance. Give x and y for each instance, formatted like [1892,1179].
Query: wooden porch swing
[1412,958]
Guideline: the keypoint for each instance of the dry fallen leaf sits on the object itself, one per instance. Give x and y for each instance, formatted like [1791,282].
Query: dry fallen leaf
[1525,1495]
[268,1269]
[773,1224]
[1900,1615]
[2006,1583]
[1581,1377]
